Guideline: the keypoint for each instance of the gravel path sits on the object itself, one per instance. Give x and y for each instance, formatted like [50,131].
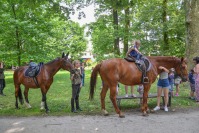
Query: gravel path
[180,121]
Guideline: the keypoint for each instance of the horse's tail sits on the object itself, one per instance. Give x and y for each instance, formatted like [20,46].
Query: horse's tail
[20,95]
[93,80]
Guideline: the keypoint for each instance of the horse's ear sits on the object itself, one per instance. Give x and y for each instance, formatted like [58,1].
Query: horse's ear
[63,55]
[67,54]
[184,59]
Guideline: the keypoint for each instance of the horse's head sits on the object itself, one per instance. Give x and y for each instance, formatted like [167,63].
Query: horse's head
[66,63]
[181,69]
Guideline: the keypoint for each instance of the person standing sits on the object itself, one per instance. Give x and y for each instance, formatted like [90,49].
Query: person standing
[196,72]
[82,68]
[132,91]
[140,89]
[76,86]
[192,84]
[171,81]
[177,82]
[163,85]
[2,80]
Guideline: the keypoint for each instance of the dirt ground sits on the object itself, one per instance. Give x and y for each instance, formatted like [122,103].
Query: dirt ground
[178,121]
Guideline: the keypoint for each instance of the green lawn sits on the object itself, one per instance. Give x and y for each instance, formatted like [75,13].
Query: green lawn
[59,95]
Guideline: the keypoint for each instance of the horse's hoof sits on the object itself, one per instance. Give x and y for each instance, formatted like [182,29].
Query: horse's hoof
[47,111]
[29,107]
[104,112]
[122,116]
[42,109]
[145,114]
[148,111]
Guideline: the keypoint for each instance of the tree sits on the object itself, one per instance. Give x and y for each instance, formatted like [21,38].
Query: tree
[165,27]
[192,29]
[37,30]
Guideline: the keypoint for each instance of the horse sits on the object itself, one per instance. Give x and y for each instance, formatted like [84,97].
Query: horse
[117,70]
[44,79]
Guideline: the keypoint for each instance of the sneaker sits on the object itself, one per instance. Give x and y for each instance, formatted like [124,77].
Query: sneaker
[133,95]
[126,95]
[74,111]
[156,108]
[79,109]
[176,95]
[166,109]
[193,98]
[2,94]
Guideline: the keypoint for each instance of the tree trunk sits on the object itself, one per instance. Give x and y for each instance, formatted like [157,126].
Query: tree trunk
[165,29]
[192,30]
[17,37]
[116,36]
[126,34]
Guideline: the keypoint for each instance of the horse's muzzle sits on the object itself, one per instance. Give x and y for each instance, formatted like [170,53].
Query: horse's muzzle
[184,79]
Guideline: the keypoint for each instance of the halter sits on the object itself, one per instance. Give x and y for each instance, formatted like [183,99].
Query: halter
[65,62]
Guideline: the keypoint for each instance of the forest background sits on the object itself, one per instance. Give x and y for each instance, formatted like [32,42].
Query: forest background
[41,30]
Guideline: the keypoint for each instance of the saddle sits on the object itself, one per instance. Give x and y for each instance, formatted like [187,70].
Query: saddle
[143,65]
[33,70]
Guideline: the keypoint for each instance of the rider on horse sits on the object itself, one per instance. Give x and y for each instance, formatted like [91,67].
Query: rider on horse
[134,52]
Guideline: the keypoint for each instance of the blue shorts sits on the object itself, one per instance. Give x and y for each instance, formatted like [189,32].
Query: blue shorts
[163,83]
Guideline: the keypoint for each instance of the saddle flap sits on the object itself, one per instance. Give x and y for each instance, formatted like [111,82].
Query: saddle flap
[33,70]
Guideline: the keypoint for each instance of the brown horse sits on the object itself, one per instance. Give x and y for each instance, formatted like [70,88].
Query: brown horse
[117,70]
[44,79]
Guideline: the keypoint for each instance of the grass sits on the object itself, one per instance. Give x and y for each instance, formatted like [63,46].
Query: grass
[59,95]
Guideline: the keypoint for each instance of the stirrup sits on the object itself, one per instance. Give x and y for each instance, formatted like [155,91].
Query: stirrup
[146,80]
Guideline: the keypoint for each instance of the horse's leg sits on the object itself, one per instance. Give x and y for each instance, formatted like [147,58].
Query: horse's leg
[44,103]
[26,97]
[145,98]
[103,96]
[113,99]
[18,94]
[16,97]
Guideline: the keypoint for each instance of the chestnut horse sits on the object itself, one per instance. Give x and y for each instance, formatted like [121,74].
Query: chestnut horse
[117,70]
[44,79]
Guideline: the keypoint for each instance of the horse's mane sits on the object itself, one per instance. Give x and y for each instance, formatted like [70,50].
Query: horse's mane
[52,61]
[168,58]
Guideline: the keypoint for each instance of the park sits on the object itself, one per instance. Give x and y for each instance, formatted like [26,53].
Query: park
[43,32]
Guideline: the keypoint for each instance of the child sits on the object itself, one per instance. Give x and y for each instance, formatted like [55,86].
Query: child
[163,86]
[192,84]
[134,51]
[140,89]
[132,91]
[76,86]
[171,80]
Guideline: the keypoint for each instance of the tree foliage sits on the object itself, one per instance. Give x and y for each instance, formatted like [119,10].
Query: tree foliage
[146,23]
[37,30]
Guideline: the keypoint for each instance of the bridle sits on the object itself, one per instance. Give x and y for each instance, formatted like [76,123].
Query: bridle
[65,61]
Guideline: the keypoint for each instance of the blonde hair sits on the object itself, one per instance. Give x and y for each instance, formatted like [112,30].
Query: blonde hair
[75,62]
[135,42]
